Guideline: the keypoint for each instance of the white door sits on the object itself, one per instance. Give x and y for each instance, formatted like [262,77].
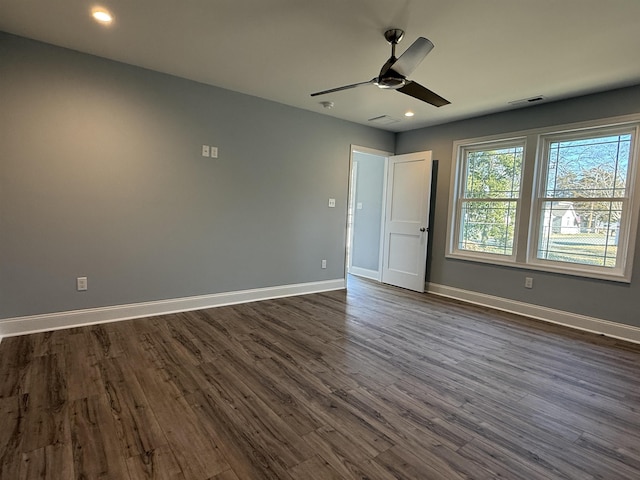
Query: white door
[406,220]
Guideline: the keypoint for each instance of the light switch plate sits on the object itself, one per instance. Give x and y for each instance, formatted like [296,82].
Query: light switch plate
[205,150]
[81,284]
[214,152]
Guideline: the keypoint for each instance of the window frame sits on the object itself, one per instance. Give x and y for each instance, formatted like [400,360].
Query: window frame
[462,150]
[539,197]
[524,253]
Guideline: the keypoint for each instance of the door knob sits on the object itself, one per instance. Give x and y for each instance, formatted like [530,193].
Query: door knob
[423,229]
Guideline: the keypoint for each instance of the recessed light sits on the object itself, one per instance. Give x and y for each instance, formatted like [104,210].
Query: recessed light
[101,15]
[409,114]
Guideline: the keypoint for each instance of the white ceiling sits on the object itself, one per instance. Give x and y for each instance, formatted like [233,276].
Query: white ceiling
[487,52]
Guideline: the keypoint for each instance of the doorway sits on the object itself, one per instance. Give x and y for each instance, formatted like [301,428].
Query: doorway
[365,212]
[388,217]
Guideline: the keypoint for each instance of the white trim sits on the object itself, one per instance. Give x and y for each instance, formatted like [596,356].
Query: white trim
[370,151]
[383,218]
[351,194]
[365,272]
[550,315]
[538,267]
[76,318]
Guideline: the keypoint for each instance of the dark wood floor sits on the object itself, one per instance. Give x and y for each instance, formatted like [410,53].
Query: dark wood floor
[376,383]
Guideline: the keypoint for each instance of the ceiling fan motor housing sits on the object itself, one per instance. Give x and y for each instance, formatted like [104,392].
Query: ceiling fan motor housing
[391,81]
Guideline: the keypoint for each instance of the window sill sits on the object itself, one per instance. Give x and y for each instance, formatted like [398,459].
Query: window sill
[542,267]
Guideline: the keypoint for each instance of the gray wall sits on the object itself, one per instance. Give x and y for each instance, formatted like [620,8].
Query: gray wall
[607,300]
[101,176]
[367,221]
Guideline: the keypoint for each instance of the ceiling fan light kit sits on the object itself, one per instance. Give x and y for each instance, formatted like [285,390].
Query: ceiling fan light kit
[393,74]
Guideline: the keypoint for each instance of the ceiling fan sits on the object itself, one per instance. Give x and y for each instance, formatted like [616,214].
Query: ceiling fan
[394,72]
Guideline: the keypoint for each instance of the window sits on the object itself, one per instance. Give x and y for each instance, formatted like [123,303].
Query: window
[489,197]
[582,218]
[583,197]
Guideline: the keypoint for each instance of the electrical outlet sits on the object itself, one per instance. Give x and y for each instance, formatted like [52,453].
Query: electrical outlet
[205,150]
[324,264]
[81,284]
[214,152]
[528,282]
[332,202]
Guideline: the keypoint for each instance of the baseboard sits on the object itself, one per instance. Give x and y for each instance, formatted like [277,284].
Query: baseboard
[560,317]
[77,318]
[365,272]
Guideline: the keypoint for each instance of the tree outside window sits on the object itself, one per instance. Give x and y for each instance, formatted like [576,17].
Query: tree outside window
[489,200]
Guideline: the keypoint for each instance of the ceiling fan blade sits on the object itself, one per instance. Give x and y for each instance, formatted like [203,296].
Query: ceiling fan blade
[346,87]
[416,90]
[412,56]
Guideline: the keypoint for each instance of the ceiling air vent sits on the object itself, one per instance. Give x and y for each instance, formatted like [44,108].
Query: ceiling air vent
[384,120]
[525,101]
